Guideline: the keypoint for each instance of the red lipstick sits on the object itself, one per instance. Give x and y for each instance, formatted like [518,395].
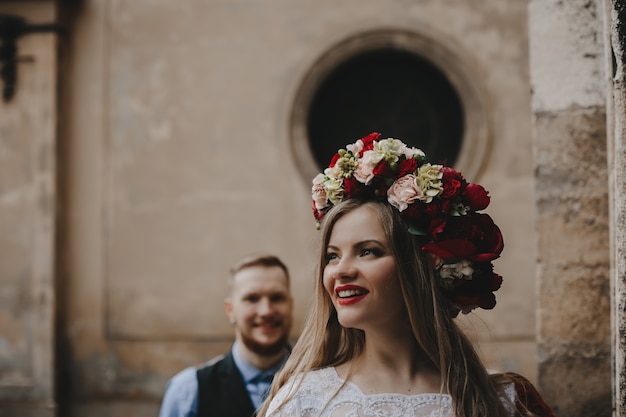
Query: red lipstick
[351,294]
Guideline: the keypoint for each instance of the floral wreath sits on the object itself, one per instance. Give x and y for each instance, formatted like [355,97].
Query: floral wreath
[437,202]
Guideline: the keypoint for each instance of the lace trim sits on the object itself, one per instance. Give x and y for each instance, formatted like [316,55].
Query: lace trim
[323,393]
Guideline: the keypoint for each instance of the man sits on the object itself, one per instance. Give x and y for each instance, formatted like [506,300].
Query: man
[259,308]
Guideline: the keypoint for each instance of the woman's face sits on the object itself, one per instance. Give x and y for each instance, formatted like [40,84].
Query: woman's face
[360,274]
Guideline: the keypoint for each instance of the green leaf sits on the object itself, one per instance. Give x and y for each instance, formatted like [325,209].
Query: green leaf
[415,231]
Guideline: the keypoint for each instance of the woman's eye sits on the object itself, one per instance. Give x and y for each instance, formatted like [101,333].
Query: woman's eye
[369,252]
[331,256]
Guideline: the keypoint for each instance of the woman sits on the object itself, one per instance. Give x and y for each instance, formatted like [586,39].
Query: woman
[404,250]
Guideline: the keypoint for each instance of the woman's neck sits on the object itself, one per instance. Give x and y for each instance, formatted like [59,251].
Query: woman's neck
[392,365]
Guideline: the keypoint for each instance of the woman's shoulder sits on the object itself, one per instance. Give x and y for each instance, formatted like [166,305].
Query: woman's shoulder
[314,382]
[305,394]
[525,396]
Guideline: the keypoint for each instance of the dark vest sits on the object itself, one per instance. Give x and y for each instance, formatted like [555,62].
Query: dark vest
[222,391]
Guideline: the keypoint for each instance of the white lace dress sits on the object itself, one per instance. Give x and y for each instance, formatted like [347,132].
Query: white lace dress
[316,398]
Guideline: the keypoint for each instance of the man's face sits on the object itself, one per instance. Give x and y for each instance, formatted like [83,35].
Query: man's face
[260,307]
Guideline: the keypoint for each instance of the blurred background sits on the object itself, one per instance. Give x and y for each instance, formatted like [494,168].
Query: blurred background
[147,145]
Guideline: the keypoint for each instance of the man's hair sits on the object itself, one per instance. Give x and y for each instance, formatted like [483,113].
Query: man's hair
[262,260]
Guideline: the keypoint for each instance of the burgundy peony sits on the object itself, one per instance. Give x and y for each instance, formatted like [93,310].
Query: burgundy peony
[479,290]
[473,236]
[476,197]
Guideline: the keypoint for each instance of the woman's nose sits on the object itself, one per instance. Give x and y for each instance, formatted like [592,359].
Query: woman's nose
[345,268]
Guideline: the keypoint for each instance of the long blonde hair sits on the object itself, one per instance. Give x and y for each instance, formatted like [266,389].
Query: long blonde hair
[324,342]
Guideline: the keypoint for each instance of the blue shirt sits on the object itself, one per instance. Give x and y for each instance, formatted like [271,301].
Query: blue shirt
[181,392]
[257,382]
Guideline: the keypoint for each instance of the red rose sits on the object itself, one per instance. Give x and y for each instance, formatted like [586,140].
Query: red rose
[368,141]
[333,161]
[318,214]
[453,182]
[355,189]
[476,197]
[382,170]
[406,166]
[351,187]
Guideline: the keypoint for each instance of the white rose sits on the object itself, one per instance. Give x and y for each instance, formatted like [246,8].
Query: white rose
[356,147]
[333,172]
[409,153]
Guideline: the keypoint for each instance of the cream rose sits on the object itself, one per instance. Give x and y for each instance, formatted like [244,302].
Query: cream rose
[429,181]
[389,150]
[334,190]
[404,191]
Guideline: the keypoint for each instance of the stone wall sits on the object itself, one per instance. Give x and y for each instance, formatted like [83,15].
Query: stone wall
[567,63]
[616,17]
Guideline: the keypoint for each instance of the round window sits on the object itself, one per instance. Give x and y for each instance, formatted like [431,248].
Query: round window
[417,87]
[396,93]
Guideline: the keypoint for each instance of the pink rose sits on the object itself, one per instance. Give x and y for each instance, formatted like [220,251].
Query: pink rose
[403,192]
[318,192]
[319,196]
[364,171]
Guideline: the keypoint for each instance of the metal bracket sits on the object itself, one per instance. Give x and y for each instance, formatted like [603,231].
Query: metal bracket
[11,29]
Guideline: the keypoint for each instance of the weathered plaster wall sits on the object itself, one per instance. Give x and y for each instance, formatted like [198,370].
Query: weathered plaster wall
[567,66]
[174,101]
[27,222]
